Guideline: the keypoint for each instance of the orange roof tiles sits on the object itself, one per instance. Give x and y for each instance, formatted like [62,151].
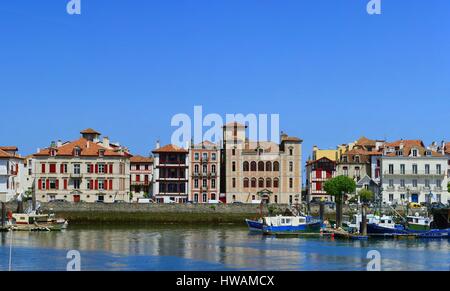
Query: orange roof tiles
[90,131]
[141,160]
[170,148]
[9,148]
[88,149]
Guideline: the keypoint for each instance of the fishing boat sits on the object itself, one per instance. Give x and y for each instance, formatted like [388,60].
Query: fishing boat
[35,222]
[385,225]
[417,223]
[285,224]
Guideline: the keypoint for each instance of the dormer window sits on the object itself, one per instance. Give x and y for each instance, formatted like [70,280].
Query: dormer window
[356,158]
[428,153]
[400,153]
[344,159]
[414,153]
[77,152]
[101,153]
[52,152]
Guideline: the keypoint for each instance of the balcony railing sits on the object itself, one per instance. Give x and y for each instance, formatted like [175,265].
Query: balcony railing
[413,173]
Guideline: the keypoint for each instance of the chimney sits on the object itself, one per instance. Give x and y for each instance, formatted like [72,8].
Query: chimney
[105,142]
[59,143]
[87,145]
[157,144]
[443,147]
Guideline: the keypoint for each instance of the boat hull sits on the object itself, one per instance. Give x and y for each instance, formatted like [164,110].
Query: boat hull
[254,225]
[375,229]
[313,227]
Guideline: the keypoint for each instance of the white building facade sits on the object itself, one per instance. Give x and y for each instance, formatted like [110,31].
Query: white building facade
[411,173]
[11,174]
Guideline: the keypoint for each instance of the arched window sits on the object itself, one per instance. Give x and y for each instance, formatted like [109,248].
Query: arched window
[246,183]
[213,196]
[213,168]
[196,169]
[205,168]
[261,166]
[275,183]
[253,166]
[276,166]
[268,183]
[245,166]
[253,183]
[268,167]
[261,183]
[291,166]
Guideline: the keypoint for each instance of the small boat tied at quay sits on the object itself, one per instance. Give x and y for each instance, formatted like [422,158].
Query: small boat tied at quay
[292,222]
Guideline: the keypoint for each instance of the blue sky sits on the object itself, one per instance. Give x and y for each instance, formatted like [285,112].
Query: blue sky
[330,70]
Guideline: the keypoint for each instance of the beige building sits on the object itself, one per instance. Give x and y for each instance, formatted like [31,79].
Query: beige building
[204,173]
[85,170]
[141,177]
[260,170]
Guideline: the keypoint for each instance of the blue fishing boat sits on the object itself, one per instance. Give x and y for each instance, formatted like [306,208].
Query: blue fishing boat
[285,224]
[385,225]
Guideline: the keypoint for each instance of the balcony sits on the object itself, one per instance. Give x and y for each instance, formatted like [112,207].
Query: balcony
[204,160]
[140,183]
[76,175]
[415,174]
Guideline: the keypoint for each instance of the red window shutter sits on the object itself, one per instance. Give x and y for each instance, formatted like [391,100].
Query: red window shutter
[96,184]
[138,178]
[319,186]
[43,168]
[17,168]
[319,174]
[40,184]
[61,169]
[96,169]
[110,169]
[57,184]
[110,184]
[65,184]
[105,183]
[92,185]
[47,184]
[106,169]
[91,169]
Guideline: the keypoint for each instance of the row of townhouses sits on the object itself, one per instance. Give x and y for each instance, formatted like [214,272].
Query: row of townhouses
[93,169]
[397,172]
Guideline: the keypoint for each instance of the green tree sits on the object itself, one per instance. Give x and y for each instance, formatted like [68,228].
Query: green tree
[338,187]
[365,196]
[448,187]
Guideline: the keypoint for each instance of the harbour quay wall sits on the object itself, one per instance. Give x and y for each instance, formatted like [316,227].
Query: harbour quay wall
[149,213]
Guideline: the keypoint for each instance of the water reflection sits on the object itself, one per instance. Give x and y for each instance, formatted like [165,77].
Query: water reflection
[213,248]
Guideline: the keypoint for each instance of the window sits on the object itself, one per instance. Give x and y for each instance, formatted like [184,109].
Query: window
[276,198]
[213,156]
[345,169]
[276,167]
[101,185]
[204,183]
[357,172]
[233,152]
[291,183]
[357,159]
[196,157]
[414,183]
[234,182]
[275,183]
[253,166]
[245,167]
[76,152]
[42,168]
[414,169]
[291,166]
[391,183]
[52,169]
[402,196]
[261,166]
[414,152]
[291,152]
[261,183]
[196,169]
[391,169]
[205,198]
[213,196]
[205,156]
[196,197]
[402,183]
[253,184]
[76,169]
[427,183]
[391,197]
[438,183]
[427,169]
[101,168]
[101,153]
[205,168]
[438,169]
[402,169]
[268,166]
[213,183]
[76,184]
[234,166]
[246,183]
[196,183]
[213,169]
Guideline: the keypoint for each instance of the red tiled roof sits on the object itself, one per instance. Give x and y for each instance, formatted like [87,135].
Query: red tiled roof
[447,148]
[9,148]
[90,131]
[406,143]
[170,148]
[365,141]
[88,149]
[6,155]
[141,160]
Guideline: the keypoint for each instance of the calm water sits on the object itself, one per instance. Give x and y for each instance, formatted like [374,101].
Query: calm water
[210,248]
